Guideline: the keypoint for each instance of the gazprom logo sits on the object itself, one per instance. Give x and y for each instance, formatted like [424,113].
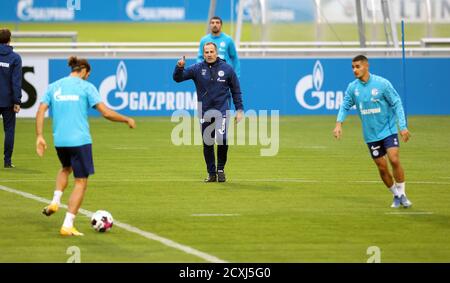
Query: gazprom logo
[138,12]
[311,85]
[121,76]
[113,90]
[27,12]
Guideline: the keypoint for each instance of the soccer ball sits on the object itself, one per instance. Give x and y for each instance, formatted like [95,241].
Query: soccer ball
[102,221]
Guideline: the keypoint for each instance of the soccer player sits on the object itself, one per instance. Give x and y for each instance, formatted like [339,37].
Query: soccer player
[379,108]
[69,100]
[10,92]
[225,45]
[214,79]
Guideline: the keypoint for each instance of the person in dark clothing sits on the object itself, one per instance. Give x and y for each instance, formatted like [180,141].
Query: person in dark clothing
[214,80]
[10,92]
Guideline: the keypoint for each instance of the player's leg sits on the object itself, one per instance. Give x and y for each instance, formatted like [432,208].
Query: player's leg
[83,167]
[62,179]
[9,125]
[208,137]
[397,169]
[378,153]
[222,146]
[75,201]
[399,174]
[383,170]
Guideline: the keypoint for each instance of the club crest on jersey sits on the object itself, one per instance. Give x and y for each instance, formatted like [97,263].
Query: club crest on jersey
[374,91]
[203,72]
[356,92]
[222,44]
[221,73]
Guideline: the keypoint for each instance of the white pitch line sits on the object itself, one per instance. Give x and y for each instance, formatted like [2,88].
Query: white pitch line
[407,182]
[129,228]
[130,148]
[281,180]
[409,213]
[212,215]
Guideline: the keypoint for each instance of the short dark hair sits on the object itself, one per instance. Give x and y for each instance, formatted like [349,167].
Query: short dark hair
[5,36]
[216,18]
[210,43]
[78,64]
[360,58]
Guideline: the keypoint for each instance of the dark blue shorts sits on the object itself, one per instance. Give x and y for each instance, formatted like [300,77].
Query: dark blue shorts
[77,157]
[379,148]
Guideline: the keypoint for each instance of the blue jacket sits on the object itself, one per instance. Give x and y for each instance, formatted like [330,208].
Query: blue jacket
[10,76]
[213,83]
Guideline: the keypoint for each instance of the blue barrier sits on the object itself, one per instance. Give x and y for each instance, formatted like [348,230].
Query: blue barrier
[144,87]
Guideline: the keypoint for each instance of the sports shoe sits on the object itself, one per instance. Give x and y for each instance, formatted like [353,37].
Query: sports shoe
[211,178]
[50,209]
[396,202]
[221,176]
[70,232]
[405,202]
[9,166]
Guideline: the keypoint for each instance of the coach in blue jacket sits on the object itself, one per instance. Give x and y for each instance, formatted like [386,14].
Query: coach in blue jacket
[214,79]
[10,92]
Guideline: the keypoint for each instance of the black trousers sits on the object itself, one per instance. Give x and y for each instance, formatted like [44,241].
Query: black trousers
[9,126]
[214,130]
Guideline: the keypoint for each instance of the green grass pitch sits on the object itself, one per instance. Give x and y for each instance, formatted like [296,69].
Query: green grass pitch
[318,200]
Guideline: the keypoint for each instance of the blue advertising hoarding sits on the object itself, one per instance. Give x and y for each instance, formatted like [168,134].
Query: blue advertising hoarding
[140,10]
[144,87]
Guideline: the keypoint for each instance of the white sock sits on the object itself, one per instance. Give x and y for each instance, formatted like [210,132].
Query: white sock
[394,190]
[57,197]
[68,221]
[401,188]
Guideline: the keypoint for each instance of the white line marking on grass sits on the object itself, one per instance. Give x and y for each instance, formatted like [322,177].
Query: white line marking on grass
[281,180]
[129,228]
[408,182]
[409,213]
[278,180]
[218,214]
[130,148]
[311,147]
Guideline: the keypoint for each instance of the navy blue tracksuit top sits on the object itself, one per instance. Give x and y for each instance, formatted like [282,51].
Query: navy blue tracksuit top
[10,76]
[213,83]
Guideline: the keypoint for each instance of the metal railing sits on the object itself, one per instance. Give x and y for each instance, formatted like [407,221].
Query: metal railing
[243,52]
[45,34]
[246,49]
[426,42]
[250,44]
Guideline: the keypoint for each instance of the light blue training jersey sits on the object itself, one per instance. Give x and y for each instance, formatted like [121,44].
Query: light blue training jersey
[379,106]
[225,48]
[69,100]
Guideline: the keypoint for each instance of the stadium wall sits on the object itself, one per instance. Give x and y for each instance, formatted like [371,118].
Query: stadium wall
[312,86]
